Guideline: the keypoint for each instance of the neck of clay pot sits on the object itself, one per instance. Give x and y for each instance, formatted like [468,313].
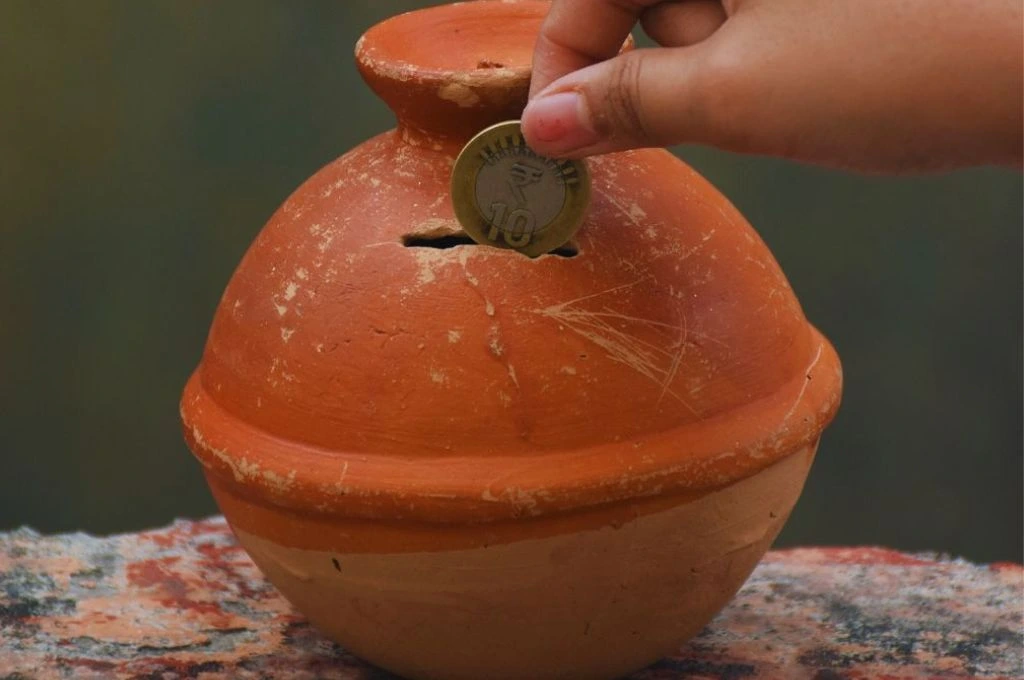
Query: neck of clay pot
[451,106]
[449,71]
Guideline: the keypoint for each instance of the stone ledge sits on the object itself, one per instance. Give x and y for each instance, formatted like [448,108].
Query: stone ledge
[186,602]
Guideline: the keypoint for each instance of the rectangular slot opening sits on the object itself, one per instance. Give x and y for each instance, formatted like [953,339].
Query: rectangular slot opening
[452,240]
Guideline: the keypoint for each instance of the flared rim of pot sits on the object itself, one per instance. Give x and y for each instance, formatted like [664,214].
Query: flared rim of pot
[700,456]
[448,69]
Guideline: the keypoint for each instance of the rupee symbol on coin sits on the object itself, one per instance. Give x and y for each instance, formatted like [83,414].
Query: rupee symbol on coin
[523,175]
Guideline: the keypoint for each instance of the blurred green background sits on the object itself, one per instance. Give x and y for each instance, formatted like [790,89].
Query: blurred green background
[144,143]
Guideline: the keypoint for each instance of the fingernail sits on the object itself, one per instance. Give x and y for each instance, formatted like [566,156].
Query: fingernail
[561,122]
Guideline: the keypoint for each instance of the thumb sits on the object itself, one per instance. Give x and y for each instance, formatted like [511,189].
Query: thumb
[651,97]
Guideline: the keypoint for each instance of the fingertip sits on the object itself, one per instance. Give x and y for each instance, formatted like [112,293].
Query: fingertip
[558,123]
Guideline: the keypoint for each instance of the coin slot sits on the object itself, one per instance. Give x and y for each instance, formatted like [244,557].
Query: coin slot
[443,241]
[439,242]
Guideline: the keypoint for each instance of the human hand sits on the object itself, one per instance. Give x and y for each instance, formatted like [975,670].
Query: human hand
[873,85]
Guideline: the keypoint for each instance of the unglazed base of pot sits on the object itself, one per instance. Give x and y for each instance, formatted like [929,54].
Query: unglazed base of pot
[598,603]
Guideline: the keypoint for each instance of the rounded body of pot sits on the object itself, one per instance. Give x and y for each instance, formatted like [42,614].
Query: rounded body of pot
[460,462]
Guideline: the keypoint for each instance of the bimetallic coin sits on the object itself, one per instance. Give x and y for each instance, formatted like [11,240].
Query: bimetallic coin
[506,195]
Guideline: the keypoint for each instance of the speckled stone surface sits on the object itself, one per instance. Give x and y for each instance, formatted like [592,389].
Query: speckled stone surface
[186,602]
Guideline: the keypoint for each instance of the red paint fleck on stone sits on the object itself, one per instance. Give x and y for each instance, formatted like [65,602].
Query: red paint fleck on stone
[859,555]
[149,573]
[186,602]
[1007,566]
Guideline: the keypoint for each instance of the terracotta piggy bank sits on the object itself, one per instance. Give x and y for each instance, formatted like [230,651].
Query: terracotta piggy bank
[461,462]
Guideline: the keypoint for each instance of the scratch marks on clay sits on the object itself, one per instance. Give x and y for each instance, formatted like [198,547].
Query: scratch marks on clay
[339,488]
[696,248]
[677,356]
[627,339]
[634,214]
[807,381]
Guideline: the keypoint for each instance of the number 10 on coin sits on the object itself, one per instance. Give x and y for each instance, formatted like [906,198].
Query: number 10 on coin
[506,195]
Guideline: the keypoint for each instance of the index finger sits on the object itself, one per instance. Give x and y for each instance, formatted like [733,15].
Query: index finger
[578,33]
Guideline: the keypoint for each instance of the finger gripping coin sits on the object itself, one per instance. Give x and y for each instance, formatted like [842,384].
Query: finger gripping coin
[506,195]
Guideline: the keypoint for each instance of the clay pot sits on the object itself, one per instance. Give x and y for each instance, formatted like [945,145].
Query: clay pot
[459,462]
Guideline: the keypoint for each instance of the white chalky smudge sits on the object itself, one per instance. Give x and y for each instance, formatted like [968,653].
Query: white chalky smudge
[428,260]
[460,94]
[241,469]
[279,483]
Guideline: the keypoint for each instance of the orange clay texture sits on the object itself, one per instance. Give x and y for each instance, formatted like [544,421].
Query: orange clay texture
[566,465]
